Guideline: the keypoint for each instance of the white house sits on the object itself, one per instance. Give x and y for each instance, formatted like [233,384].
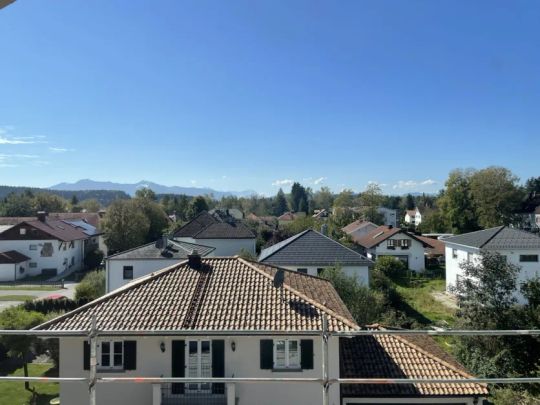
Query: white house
[13,265]
[358,229]
[390,216]
[519,247]
[413,217]
[227,317]
[53,246]
[123,267]
[396,242]
[310,252]
[228,236]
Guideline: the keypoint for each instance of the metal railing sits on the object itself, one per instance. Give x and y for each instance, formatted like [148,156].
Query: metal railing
[193,394]
[171,392]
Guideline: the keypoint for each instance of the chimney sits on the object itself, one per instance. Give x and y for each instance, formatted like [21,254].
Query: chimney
[41,215]
[390,226]
[194,260]
[324,229]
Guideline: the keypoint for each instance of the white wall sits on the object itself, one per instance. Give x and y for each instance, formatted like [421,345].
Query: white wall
[415,253]
[361,273]
[528,269]
[115,269]
[243,362]
[225,247]
[12,272]
[56,261]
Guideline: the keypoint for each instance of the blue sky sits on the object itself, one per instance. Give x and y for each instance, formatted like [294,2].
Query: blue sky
[251,95]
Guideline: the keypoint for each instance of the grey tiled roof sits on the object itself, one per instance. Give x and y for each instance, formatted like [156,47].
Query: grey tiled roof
[175,250]
[311,248]
[206,226]
[500,237]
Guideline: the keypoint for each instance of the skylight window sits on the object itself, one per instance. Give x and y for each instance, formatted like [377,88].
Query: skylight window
[377,235]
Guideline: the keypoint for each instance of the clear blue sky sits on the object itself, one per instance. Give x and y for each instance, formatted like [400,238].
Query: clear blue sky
[246,94]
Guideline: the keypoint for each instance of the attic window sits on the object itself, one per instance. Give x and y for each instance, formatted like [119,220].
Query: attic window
[22,231]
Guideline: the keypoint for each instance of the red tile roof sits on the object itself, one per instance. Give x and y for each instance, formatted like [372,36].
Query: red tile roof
[382,233]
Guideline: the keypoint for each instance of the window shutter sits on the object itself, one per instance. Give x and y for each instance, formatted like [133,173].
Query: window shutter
[178,367]
[306,354]
[218,365]
[86,355]
[267,354]
[130,355]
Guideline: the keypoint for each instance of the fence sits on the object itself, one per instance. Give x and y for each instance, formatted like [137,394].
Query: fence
[168,385]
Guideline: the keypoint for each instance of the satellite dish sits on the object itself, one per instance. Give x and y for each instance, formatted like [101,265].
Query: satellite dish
[279,278]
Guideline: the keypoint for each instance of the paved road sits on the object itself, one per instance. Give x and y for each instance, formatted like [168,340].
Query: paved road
[68,291]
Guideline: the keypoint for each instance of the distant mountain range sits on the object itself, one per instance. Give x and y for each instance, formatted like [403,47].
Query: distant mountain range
[129,188]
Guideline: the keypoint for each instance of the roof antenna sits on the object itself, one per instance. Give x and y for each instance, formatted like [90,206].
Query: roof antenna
[279,278]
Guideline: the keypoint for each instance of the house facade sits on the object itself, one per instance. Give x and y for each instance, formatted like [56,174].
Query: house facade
[413,217]
[53,246]
[519,247]
[227,236]
[310,252]
[124,267]
[13,265]
[398,243]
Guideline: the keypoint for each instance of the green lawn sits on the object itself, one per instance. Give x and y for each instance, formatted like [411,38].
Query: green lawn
[13,393]
[24,287]
[17,297]
[420,304]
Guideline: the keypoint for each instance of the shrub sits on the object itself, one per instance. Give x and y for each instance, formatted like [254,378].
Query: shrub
[93,259]
[390,266]
[91,287]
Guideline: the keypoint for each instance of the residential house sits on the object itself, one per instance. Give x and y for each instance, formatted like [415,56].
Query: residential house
[228,317]
[320,214]
[358,229]
[226,235]
[288,217]
[390,216]
[268,220]
[310,252]
[396,242]
[520,247]
[436,252]
[123,267]
[13,265]
[54,246]
[413,217]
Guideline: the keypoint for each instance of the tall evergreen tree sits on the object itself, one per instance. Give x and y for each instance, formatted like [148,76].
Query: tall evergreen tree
[280,203]
[299,198]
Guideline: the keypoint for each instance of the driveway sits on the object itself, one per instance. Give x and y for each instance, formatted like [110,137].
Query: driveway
[68,291]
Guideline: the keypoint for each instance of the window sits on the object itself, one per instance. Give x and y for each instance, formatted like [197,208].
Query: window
[111,354]
[128,272]
[22,231]
[454,253]
[73,260]
[528,258]
[469,257]
[33,247]
[391,243]
[32,265]
[302,271]
[47,249]
[71,245]
[286,354]
[404,243]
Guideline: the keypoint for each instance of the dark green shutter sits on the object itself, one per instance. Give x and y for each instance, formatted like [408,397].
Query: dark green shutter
[178,367]
[130,355]
[306,354]
[267,354]
[218,365]
[86,355]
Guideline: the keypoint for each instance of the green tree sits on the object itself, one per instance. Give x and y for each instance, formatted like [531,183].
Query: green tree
[365,305]
[496,196]
[345,199]
[49,202]
[93,259]
[125,226]
[74,200]
[433,221]
[17,205]
[409,202]
[456,203]
[371,200]
[390,266]
[280,203]
[146,193]
[299,198]
[17,318]
[91,205]
[196,206]
[91,287]
[323,199]
[158,220]
[532,185]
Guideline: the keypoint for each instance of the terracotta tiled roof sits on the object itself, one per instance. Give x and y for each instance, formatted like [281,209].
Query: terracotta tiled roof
[225,294]
[90,217]
[438,245]
[12,257]
[353,226]
[394,356]
[207,226]
[382,233]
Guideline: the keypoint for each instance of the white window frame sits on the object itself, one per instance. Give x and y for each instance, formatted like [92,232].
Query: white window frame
[32,247]
[198,387]
[111,365]
[32,265]
[288,365]
[454,253]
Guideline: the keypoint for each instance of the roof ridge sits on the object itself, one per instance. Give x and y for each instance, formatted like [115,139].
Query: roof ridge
[492,236]
[302,295]
[433,357]
[340,244]
[113,293]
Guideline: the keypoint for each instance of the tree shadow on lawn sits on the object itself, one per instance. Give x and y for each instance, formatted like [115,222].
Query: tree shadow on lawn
[413,313]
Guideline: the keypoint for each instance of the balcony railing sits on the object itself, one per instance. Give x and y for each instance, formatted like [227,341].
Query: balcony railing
[195,394]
